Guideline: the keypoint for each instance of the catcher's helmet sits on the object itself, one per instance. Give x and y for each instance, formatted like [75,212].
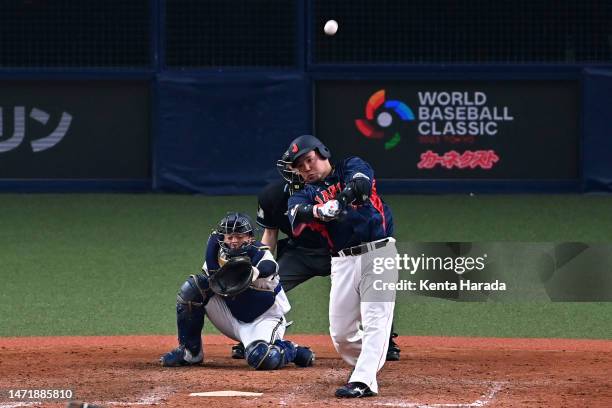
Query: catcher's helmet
[235,223]
[305,144]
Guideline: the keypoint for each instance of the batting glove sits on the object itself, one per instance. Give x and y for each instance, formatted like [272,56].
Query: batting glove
[328,211]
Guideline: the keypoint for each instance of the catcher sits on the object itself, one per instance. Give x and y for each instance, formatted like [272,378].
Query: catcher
[240,292]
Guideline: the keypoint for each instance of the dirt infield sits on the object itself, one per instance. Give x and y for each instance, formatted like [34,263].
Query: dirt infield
[433,372]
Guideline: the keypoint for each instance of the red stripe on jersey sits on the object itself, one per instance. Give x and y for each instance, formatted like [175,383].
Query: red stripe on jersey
[377,203]
[316,227]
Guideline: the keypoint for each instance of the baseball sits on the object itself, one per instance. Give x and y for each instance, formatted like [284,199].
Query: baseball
[331,27]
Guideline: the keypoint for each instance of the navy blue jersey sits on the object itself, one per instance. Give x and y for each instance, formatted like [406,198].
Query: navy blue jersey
[361,223]
[260,296]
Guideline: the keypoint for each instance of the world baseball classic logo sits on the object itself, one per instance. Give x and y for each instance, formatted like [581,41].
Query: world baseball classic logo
[379,116]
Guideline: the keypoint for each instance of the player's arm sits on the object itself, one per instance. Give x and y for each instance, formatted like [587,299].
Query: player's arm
[265,216]
[358,178]
[263,262]
[211,255]
[302,211]
[266,266]
[270,238]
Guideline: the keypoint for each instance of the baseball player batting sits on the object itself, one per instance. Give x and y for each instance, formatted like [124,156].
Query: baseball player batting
[299,257]
[250,311]
[341,203]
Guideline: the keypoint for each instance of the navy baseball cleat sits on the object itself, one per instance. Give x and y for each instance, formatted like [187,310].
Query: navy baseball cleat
[238,351]
[304,357]
[354,390]
[180,356]
[393,352]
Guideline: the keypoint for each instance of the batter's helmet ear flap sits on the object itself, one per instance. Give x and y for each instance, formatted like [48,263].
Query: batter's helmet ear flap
[324,151]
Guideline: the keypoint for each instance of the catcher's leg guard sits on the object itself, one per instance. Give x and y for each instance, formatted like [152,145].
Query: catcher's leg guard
[304,356]
[301,356]
[190,303]
[265,356]
[288,348]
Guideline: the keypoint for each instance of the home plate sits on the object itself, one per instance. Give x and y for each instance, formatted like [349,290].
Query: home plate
[226,394]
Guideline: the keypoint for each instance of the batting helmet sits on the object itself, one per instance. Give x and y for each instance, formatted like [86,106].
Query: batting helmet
[303,145]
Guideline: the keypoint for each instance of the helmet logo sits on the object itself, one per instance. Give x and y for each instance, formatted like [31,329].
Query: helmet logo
[294,148]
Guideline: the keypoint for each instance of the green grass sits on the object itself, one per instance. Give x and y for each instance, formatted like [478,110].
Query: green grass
[526,218]
[112,264]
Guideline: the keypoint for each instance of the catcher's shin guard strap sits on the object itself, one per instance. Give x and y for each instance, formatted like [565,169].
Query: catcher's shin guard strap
[192,293]
[190,305]
[201,283]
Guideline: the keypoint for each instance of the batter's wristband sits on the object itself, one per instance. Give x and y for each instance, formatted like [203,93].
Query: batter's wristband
[304,213]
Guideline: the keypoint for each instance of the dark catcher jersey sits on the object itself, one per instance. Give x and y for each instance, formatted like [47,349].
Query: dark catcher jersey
[254,301]
[272,214]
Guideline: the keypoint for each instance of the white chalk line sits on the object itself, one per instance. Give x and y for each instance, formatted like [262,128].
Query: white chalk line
[481,402]
[19,404]
[226,393]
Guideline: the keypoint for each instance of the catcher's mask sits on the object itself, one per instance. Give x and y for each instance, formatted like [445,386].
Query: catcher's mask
[293,179]
[235,223]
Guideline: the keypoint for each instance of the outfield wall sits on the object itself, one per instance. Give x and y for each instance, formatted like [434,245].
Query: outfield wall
[203,97]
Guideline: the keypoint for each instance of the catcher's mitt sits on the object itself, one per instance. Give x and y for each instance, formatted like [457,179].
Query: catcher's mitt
[232,278]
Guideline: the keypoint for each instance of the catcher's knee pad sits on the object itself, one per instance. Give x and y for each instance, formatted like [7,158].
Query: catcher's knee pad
[192,294]
[262,355]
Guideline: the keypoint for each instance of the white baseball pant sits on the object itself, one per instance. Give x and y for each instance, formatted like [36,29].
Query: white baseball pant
[269,327]
[352,303]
